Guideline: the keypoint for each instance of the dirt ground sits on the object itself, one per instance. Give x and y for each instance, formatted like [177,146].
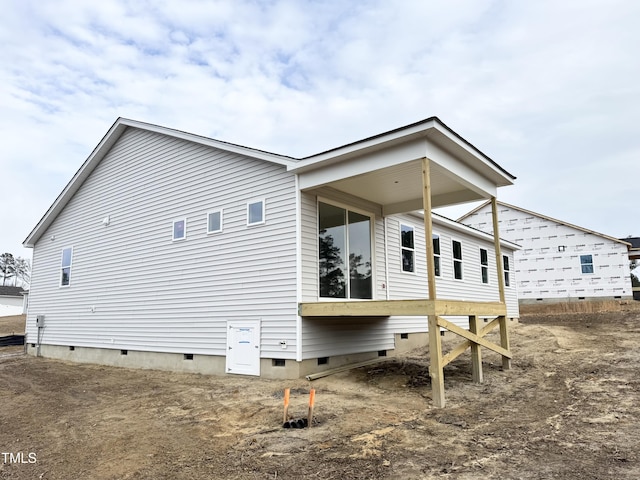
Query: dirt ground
[568,409]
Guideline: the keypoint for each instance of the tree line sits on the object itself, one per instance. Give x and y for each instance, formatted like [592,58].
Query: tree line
[15,271]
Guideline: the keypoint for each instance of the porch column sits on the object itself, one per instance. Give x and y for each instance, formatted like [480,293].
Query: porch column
[435,344]
[504,333]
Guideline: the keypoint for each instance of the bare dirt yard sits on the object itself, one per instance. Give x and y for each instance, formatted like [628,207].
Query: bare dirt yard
[568,409]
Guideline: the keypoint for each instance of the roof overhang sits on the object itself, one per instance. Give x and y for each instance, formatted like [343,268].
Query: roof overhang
[387,169]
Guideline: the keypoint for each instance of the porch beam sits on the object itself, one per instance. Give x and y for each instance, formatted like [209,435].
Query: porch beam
[406,308]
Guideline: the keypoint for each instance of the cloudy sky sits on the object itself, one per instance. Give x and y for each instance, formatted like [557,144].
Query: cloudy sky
[548,89]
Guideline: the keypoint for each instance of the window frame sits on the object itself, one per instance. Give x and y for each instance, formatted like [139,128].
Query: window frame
[587,264]
[63,267]
[506,270]
[173,229]
[458,261]
[484,266]
[263,214]
[412,250]
[437,262]
[372,231]
[212,212]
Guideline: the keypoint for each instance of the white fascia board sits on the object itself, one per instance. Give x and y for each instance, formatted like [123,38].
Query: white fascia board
[326,174]
[488,165]
[360,148]
[461,172]
[76,181]
[210,142]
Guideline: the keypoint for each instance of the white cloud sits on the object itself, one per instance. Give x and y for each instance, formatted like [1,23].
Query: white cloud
[547,89]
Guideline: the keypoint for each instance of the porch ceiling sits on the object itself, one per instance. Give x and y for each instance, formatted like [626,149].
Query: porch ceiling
[387,169]
[399,188]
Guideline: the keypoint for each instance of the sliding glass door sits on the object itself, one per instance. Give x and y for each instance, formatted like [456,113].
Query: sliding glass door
[344,242]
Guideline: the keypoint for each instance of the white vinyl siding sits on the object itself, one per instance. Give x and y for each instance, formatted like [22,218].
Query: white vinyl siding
[173,296]
[325,337]
[470,288]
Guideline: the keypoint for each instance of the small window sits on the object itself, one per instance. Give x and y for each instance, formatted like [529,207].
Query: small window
[436,253]
[255,213]
[505,266]
[457,259]
[484,265]
[180,229]
[214,221]
[408,249]
[586,263]
[65,274]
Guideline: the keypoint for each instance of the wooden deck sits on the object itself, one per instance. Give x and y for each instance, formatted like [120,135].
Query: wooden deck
[434,310]
[388,308]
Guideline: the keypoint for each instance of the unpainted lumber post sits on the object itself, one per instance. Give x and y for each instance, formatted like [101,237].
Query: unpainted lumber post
[504,331]
[476,353]
[504,342]
[436,371]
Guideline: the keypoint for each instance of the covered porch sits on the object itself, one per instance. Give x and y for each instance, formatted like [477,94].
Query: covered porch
[419,167]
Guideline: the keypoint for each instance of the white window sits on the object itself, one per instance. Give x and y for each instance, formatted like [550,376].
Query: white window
[408,248]
[65,268]
[586,263]
[436,254]
[457,259]
[505,264]
[484,265]
[180,229]
[214,221]
[255,212]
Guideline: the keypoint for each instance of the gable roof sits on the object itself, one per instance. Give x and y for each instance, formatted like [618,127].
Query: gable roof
[432,129]
[11,291]
[110,138]
[529,212]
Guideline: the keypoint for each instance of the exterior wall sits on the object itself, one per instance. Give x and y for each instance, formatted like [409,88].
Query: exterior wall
[339,336]
[11,306]
[132,287]
[548,267]
[403,285]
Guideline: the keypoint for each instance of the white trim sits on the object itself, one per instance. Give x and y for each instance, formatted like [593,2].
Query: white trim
[173,229]
[210,212]
[439,255]
[484,266]
[372,233]
[454,260]
[62,267]
[413,228]
[385,233]
[298,267]
[253,202]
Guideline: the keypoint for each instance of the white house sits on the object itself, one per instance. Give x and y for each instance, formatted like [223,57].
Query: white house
[559,261]
[172,250]
[11,301]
